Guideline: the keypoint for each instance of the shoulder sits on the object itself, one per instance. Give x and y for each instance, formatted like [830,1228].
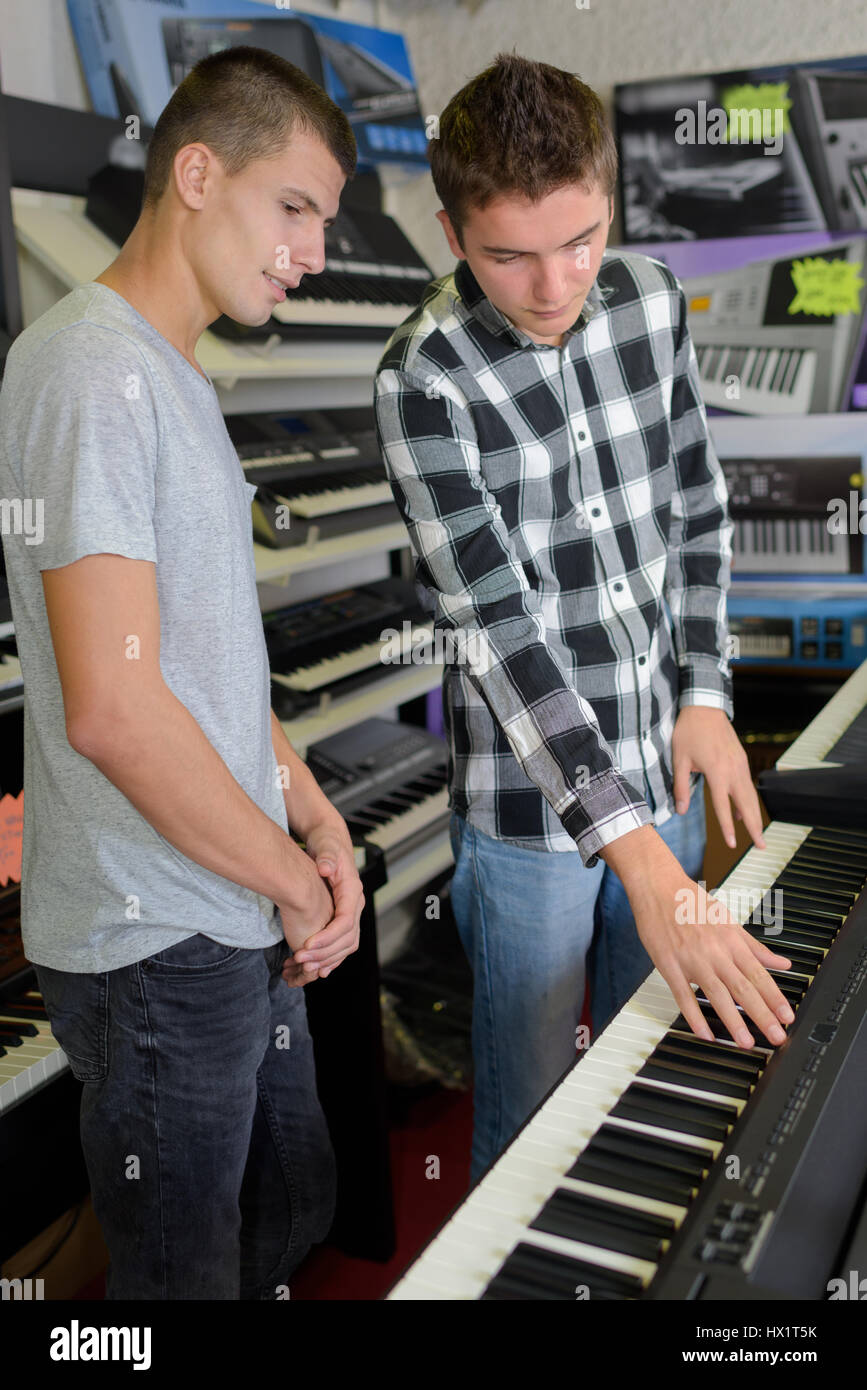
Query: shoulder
[632,272]
[422,343]
[79,336]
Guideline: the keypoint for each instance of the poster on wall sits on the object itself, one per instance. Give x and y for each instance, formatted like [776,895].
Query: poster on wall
[744,154]
[135,52]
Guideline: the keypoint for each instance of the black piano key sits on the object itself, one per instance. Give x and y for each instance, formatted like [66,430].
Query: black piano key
[531,1272]
[676,1159]
[701,1079]
[731,1059]
[647,1106]
[805,959]
[574,1216]
[624,1175]
[802,902]
[16,1028]
[834,898]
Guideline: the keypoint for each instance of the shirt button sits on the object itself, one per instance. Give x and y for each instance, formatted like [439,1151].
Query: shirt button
[581,434]
[596,511]
[641,660]
[618,586]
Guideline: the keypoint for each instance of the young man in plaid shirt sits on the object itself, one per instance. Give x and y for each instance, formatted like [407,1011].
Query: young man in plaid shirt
[542,426]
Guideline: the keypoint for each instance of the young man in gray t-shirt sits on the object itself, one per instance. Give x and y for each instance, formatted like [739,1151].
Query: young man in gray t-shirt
[162,893]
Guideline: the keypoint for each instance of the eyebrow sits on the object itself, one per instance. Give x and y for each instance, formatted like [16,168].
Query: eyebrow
[511,251]
[309,200]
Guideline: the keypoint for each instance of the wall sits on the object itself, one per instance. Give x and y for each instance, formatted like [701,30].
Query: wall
[608,42]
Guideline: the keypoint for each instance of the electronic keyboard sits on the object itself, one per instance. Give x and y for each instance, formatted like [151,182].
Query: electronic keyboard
[838,734]
[29,1055]
[779,507]
[323,641]
[388,781]
[665,1167]
[785,363]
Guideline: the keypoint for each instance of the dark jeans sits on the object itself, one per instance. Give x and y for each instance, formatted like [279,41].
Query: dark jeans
[210,1162]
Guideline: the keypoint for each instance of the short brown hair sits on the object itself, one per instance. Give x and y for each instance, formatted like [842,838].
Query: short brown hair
[520,127]
[244,103]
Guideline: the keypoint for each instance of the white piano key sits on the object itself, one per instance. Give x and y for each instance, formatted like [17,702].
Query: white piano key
[338,499]
[820,735]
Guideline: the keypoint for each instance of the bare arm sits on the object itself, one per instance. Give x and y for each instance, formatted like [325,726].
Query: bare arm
[121,715]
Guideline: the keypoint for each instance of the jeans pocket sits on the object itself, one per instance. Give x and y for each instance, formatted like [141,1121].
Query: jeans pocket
[194,955]
[77,1007]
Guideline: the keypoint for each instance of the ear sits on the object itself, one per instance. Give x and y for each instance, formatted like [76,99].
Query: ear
[451,237]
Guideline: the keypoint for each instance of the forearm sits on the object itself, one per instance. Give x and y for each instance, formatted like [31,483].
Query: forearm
[306,805]
[639,858]
[158,756]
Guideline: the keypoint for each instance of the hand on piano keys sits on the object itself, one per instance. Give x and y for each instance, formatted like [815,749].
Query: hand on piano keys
[691,937]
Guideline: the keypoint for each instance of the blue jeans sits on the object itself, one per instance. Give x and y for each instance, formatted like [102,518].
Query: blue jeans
[209,1158]
[526,919]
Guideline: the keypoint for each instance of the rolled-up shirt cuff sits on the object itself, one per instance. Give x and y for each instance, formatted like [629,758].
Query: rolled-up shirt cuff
[608,807]
[702,682]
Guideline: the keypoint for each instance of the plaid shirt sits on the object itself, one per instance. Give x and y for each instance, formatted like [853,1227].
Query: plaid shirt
[568,516]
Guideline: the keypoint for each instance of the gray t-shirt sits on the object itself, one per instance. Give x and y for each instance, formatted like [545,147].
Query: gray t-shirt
[111,441]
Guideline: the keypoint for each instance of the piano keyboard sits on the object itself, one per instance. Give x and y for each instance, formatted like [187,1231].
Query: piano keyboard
[587,1199]
[775,544]
[825,738]
[387,779]
[786,363]
[322,641]
[37,1058]
[347,663]
[772,380]
[362,488]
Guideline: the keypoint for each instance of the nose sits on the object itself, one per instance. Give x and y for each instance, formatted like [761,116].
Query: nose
[549,284]
[311,253]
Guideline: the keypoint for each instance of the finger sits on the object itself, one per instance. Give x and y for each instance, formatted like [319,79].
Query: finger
[720,800]
[684,997]
[325,971]
[324,941]
[682,769]
[766,956]
[337,952]
[717,995]
[754,1005]
[766,986]
[745,797]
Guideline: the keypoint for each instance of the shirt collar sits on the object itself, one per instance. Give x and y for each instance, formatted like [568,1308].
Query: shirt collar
[496,322]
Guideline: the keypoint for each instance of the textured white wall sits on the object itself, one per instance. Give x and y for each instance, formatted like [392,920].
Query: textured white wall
[611,41]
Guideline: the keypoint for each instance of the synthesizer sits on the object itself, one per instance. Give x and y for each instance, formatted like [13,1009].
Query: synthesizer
[388,781]
[314,484]
[830,114]
[323,642]
[838,734]
[785,363]
[664,1167]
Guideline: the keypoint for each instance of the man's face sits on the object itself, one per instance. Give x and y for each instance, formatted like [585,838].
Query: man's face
[536,261]
[269,218]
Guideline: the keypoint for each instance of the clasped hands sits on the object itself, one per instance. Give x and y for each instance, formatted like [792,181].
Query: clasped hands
[329,929]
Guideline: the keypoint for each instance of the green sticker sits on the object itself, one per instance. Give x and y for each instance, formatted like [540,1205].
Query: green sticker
[825,287]
[756,113]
